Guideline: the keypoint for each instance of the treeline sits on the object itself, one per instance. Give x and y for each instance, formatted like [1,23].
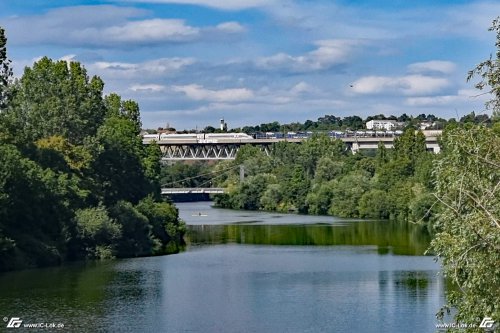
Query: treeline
[321,176]
[331,122]
[76,182]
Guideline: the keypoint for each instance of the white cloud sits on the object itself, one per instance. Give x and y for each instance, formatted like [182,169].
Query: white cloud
[301,88]
[68,57]
[408,85]
[198,92]
[147,31]
[230,27]
[62,25]
[328,53]
[144,70]
[463,95]
[147,88]
[220,4]
[434,66]
[109,27]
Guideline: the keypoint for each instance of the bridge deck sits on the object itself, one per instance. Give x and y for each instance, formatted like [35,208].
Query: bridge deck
[226,149]
[189,190]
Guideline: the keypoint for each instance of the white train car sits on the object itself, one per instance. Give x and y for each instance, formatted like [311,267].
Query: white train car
[198,137]
[147,138]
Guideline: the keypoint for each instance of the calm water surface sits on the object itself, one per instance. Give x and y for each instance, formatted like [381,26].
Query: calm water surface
[245,272]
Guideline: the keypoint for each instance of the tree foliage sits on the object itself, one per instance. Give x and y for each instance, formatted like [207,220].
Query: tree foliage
[467,183]
[489,73]
[468,242]
[321,176]
[76,182]
[55,98]
[5,70]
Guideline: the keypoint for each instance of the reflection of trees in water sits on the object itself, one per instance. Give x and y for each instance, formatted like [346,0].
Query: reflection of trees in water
[53,293]
[82,295]
[398,237]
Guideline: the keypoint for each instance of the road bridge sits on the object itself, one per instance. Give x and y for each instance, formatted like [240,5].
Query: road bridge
[192,190]
[226,149]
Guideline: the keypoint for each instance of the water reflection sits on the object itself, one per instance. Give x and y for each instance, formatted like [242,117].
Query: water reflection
[315,274]
[389,237]
[56,294]
[85,297]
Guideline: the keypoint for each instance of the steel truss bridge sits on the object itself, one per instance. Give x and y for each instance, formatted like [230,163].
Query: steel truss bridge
[226,149]
[187,190]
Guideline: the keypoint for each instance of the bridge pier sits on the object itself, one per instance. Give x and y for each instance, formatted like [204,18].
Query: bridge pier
[242,173]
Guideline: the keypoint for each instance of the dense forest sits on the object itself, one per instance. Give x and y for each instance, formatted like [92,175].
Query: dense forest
[321,176]
[76,182]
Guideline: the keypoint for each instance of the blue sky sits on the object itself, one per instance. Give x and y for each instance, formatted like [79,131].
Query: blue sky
[191,62]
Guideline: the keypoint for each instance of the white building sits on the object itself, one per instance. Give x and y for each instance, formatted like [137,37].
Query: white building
[380,124]
[425,125]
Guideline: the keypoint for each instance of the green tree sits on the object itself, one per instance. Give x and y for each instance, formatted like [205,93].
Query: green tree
[5,70]
[468,238]
[347,192]
[34,212]
[373,204]
[319,199]
[316,147]
[164,220]
[127,109]
[328,169]
[272,197]
[489,73]
[97,233]
[135,239]
[410,145]
[118,171]
[55,98]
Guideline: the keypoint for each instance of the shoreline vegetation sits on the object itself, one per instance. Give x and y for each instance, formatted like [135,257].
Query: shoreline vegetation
[322,177]
[76,182]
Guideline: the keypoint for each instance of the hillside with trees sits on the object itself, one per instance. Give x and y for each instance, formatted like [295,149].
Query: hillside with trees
[76,182]
[321,176]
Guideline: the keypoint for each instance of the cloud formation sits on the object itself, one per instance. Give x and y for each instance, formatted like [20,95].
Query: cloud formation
[109,26]
[264,60]
[143,70]
[433,66]
[199,93]
[220,4]
[408,85]
[327,54]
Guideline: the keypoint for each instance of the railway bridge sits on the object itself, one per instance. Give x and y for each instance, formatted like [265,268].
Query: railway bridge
[183,149]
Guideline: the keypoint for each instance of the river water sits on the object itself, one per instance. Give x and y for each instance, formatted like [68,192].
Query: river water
[245,272]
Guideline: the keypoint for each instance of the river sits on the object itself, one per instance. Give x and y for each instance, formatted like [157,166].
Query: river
[245,272]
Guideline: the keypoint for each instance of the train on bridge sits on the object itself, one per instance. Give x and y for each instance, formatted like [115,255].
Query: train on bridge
[198,137]
[224,146]
[242,137]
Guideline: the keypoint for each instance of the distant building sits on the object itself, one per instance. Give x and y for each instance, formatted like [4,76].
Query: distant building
[425,125]
[381,124]
[223,125]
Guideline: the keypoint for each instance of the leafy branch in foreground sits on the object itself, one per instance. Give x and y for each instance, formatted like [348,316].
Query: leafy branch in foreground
[468,238]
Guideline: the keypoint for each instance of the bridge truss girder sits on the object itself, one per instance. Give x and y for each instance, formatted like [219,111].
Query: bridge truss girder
[216,151]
